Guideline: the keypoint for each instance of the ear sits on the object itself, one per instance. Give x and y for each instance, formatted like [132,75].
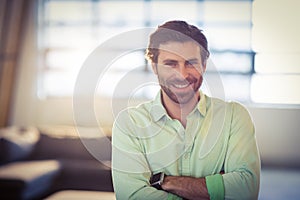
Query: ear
[154,68]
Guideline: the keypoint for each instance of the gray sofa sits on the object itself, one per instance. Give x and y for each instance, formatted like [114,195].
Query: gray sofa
[37,162]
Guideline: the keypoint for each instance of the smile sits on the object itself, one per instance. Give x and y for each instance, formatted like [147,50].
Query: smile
[181,85]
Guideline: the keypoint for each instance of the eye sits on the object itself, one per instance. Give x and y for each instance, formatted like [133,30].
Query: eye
[170,64]
[191,64]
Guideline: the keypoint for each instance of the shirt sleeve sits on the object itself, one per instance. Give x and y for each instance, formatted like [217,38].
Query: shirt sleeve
[130,170]
[215,186]
[242,162]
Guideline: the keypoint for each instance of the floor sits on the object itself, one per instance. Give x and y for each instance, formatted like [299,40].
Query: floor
[280,184]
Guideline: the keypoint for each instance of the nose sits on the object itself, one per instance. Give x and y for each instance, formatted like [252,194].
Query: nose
[182,71]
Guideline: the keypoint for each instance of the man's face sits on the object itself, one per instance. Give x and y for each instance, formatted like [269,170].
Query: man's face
[179,70]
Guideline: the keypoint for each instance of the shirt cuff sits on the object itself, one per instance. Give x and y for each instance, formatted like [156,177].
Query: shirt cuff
[173,197]
[215,186]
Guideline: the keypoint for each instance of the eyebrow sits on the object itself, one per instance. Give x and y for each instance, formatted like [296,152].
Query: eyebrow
[175,61]
[192,60]
[170,61]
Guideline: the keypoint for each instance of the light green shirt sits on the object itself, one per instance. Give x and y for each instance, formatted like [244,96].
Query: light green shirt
[218,136]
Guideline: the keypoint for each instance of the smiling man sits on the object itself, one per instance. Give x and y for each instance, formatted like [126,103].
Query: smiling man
[184,144]
[179,70]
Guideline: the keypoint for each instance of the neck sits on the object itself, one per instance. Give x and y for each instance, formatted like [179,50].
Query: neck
[179,111]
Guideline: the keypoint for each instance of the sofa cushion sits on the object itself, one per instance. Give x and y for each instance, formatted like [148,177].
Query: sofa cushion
[84,175]
[27,180]
[89,144]
[17,143]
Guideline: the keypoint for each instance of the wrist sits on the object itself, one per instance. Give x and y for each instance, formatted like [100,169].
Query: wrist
[170,183]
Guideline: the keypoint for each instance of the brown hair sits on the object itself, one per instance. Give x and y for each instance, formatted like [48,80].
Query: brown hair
[178,31]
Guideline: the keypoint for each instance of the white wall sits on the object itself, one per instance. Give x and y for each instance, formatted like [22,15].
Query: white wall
[276,40]
[276,30]
[278,135]
[276,27]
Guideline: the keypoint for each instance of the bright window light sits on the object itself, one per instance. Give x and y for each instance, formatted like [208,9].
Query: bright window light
[285,63]
[275,89]
[71,29]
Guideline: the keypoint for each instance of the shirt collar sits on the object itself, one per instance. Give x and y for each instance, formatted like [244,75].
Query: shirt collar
[158,110]
[201,106]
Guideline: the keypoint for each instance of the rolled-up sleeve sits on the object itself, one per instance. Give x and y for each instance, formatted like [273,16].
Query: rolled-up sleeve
[215,186]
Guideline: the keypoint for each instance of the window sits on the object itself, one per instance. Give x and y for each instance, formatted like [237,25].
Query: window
[69,30]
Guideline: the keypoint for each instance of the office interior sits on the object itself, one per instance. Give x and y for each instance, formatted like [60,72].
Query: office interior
[46,46]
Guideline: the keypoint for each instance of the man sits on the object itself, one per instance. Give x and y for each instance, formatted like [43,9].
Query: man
[184,144]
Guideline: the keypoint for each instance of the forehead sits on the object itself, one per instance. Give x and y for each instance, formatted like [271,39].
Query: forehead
[179,50]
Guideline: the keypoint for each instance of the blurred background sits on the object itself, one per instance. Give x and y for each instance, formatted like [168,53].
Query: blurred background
[254,47]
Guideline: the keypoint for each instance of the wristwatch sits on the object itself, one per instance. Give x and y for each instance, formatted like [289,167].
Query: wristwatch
[156,180]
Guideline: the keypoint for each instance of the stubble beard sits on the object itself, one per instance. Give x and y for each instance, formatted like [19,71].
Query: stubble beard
[181,98]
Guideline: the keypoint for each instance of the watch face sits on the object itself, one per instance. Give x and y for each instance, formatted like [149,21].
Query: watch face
[155,178]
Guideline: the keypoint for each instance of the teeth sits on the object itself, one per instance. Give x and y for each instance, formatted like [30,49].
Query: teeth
[181,86]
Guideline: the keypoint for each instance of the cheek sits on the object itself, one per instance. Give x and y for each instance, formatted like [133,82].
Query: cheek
[194,74]
[165,73]
[197,71]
